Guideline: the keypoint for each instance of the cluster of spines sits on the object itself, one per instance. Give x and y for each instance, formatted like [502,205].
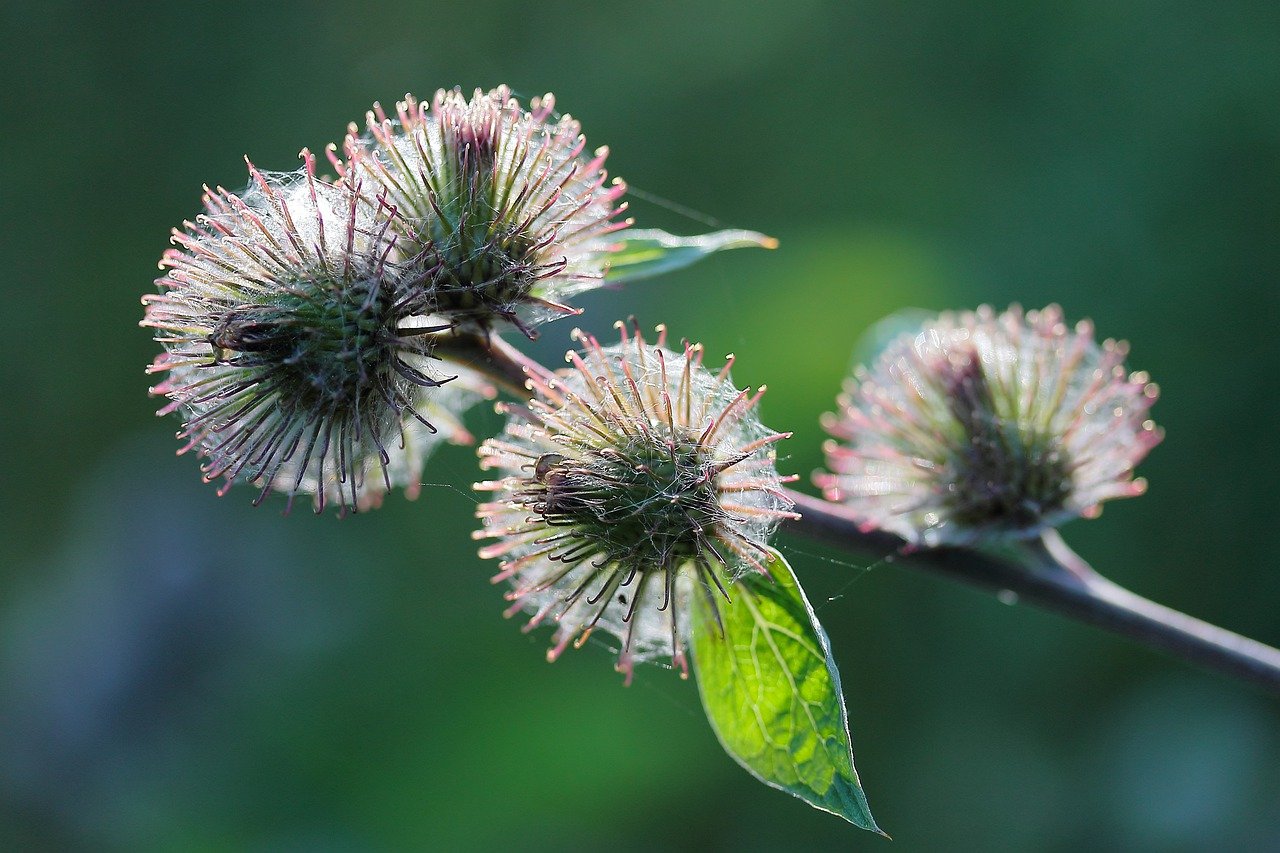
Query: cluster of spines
[293,342]
[294,347]
[509,216]
[984,425]
[622,471]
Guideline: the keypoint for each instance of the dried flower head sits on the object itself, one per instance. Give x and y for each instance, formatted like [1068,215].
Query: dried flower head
[633,481]
[984,426]
[502,210]
[294,346]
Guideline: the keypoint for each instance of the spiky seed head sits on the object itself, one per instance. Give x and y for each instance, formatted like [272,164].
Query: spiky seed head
[500,207]
[294,346]
[634,480]
[982,426]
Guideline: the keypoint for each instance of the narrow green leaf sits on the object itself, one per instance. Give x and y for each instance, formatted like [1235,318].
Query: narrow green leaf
[652,252]
[772,692]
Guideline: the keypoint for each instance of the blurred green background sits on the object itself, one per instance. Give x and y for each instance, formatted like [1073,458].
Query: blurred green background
[179,671]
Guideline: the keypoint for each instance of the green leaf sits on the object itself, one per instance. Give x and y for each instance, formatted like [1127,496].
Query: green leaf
[772,692]
[652,252]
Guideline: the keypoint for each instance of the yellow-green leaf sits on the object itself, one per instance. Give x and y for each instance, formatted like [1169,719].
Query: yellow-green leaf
[652,252]
[772,692]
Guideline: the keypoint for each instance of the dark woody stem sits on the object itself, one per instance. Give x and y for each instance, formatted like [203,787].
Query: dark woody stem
[1054,577]
[1048,574]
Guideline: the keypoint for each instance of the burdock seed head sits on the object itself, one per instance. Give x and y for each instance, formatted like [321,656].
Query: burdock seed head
[499,206]
[295,347]
[633,480]
[983,426]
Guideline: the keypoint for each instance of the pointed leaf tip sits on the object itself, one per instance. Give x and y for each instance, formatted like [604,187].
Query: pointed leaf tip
[772,692]
[646,253]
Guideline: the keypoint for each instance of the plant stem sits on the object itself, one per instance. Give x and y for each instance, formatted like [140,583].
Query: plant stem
[1055,578]
[1052,576]
[501,363]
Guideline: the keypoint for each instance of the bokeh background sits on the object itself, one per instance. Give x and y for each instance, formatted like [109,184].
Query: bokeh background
[179,671]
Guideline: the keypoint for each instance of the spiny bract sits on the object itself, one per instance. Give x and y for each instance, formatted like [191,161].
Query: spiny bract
[295,347]
[504,214]
[983,425]
[632,481]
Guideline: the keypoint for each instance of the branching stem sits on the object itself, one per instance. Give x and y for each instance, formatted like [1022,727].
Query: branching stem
[1056,578]
[1050,575]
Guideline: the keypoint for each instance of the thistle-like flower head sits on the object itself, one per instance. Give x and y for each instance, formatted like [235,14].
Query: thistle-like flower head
[505,215]
[295,347]
[633,480]
[982,426]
